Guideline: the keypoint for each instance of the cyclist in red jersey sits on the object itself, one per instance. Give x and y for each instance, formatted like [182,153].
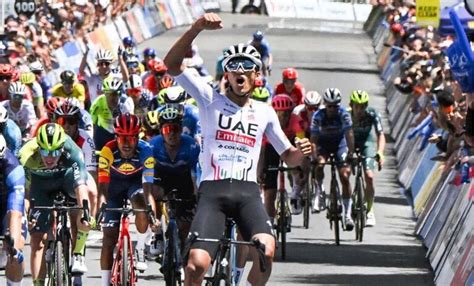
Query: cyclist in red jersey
[312,102]
[152,81]
[290,86]
[51,105]
[6,75]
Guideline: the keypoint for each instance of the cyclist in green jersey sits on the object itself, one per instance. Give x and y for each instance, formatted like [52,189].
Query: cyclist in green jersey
[53,163]
[364,118]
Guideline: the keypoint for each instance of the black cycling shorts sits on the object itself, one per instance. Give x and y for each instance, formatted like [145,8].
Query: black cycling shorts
[270,159]
[237,199]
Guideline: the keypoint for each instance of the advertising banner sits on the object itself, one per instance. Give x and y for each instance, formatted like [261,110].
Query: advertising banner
[428,13]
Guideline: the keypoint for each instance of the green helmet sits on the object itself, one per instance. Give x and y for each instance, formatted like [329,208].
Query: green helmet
[261,94]
[359,97]
[112,84]
[51,137]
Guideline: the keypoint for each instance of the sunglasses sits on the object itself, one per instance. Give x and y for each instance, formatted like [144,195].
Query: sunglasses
[312,108]
[127,139]
[17,96]
[245,64]
[332,106]
[5,78]
[63,120]
[103,64]
[47,153]
[168,128]
[115,93]
[132,65]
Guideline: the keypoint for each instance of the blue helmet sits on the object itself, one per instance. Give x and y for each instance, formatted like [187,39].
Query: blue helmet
[258,35]
[149,52]
[128,41]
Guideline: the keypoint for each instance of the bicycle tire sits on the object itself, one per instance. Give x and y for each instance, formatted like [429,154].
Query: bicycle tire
[170,277]
[360,211]
[60,276]
[124,268]
[307,203]
[282,225]
[335,212]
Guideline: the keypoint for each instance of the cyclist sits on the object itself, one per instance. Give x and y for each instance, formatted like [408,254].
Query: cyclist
[68,115]
[290,86]
[176,156]
[126,170]
[261,94]
[34,88]
[12,188]
[364,118]
[129,48]
[151,125]
[20,110]
[104,59]
[50,107]
[10,131]
[106,108]
[148,54]
[7,73]
[289,122]
[153,79]
[231,122]
[140,95]
[331,132]
[312,103]
[191,124]
[263,48]
[53,163]
[69,87]
[38,70]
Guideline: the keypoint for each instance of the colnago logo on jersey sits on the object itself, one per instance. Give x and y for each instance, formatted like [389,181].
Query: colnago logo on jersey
[237,131]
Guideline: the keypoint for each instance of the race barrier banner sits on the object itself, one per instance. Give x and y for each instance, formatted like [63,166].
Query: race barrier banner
[442,205]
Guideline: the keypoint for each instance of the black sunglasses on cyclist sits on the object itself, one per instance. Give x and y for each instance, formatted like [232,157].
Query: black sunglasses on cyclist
[332,106]
[5,78]
[240,63]
[115,93]
[103,64]
[132,65]
[63,120]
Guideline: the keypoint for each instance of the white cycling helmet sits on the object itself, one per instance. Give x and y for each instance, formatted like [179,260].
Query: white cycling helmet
[173,94]
[36,67]
[3,114]
[17,88]
[3,146]
[312,98]
[134,81]
[104,55]
[242,51]
[332,96]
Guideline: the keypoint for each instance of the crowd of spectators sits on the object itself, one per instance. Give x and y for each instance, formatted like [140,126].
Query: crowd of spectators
[425,75]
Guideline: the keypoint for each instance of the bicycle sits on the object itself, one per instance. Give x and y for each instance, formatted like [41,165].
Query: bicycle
[359,209]
[58,253]
[283,212]
[224,262]
[171,262]
[123,268]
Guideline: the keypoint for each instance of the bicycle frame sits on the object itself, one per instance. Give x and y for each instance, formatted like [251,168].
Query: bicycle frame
[117,265]
[335,207]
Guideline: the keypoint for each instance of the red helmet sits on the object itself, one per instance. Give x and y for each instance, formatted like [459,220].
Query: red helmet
[127,124]
[6,70]
[150,63]
[52,103]
[166,81]
[290,73]
[282,102]
[259,82]
[159,67]
[396,28]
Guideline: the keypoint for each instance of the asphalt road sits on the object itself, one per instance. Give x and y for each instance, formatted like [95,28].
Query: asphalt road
[327,54]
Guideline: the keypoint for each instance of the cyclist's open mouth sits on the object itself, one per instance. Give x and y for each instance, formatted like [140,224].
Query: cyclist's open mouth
[240,81]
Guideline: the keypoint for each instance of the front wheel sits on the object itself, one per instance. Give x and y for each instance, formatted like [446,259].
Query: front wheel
[124,268]
[335,210]
[282,224]
[359,210]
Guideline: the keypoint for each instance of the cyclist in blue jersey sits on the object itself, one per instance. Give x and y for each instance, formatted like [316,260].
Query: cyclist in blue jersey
[263,48]
[176,156]
[10,131]
[38,69]
[12,195]
[331,132]
[191,124]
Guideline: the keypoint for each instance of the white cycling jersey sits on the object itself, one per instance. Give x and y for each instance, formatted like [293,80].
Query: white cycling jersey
[231,135]
[25,117]
[85,142]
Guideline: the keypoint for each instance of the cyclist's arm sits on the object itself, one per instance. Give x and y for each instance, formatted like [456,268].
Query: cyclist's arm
[15,183]
[105,160]
[12,135]
[348,131]
[380,135]
[90,158]
[31,115]
[94,110]
[148,161]
[82,66]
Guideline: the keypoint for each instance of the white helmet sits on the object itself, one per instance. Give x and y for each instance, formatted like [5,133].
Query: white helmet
[3,146]
[3,114]
[312,98]
[332,95]
[134,81]
[36,66]
[242,51]
[17,88]
[104,55]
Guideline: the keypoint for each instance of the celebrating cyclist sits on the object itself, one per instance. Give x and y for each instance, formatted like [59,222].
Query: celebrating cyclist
[232,129]
[126,169]
[106,108]
[10,131]
[176,156]
[53,163]
[95,82]
[20,110]
[290,86]
[331,132]
[12,188]
[364,119]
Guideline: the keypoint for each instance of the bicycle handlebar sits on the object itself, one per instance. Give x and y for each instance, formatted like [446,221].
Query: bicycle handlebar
[126,211]
[282,169]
